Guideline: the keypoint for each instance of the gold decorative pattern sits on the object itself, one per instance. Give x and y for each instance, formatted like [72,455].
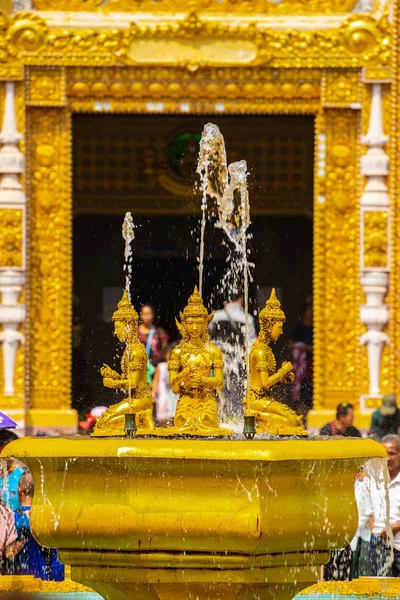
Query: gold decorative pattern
[156,89]
[11,237]
[46,87]
[375,239]
[340,88]
[336,279]
[49,314]
[372,74]
[360,40]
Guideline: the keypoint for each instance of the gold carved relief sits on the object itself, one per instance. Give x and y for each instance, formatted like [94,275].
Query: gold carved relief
[46,87]
[336,280]
[50,269]
[11,237]
[194,41]
[375,239]
[341,88]
[359,40]
[135,89]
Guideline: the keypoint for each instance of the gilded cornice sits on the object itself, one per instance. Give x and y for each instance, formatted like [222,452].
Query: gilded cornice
[196,41]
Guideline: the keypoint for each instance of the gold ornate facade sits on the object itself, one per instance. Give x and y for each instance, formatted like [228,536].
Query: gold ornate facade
[130,56]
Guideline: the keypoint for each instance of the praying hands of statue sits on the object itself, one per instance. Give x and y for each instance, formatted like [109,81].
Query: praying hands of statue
[109,373]
[195,376]
[286,372]
[183,376]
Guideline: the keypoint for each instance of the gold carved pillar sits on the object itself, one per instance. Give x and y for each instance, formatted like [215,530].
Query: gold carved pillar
[337,293]
[50,272]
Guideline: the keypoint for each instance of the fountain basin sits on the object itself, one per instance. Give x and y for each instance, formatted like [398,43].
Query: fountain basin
[166,518]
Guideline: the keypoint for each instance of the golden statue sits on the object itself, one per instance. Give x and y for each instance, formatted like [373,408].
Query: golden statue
[270,416]
[196,372]
[132,380]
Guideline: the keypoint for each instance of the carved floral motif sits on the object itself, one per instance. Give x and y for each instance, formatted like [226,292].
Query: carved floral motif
[11,237]
[336,279]
[50,272]
[46,87]
[375,239]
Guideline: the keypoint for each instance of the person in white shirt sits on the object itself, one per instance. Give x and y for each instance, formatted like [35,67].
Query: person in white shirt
[385,534]
[228,331]
[361,541]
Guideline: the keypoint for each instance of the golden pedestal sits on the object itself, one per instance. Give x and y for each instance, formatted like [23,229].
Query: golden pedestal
[173,519]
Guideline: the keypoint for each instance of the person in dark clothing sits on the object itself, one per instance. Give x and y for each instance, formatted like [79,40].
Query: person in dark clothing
[301,341]
[386,419]
[343,425]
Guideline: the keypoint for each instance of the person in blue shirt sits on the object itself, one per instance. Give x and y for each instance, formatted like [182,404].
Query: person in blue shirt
[9,485]
[33,559]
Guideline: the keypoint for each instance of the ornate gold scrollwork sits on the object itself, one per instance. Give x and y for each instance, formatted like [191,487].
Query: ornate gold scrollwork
[26,32]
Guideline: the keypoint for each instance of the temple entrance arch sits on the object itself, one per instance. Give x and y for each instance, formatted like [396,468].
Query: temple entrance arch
[336,187]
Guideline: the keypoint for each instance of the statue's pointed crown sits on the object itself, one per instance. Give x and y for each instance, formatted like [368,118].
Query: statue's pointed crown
[125,312]
[195,306]
[272,309]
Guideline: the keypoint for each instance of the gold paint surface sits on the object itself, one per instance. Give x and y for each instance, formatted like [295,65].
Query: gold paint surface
[375,239]
[50,271]
[359,40]
[337,351]
[11,237]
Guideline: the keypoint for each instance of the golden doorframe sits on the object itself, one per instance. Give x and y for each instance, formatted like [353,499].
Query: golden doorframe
[59,80]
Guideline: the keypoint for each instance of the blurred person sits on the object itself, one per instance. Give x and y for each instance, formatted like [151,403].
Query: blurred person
[382,563]
[301,341]
[154,338]
[10,546]
[88,425]
[228,332]
[386,419]
[343,424]
[32,559]
[15,469]
[361,541]
[165,398]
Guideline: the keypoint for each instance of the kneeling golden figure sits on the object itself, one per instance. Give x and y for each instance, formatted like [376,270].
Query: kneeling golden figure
[271,416]
[196,370]
[132,380]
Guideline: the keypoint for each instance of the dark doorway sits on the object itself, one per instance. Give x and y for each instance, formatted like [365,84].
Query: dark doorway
[165,249]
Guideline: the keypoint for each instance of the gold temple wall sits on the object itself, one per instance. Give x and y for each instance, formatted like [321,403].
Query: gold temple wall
[338,352]
[318,72]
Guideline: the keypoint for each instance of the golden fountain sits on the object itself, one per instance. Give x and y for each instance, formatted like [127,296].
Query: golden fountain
[180,513]
[168,518]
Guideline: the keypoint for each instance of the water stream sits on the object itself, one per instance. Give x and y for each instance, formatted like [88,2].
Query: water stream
[227,186]
[128,233]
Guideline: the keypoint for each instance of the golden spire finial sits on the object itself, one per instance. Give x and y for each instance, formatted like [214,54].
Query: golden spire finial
[195,306]
[125,312]
[272,309]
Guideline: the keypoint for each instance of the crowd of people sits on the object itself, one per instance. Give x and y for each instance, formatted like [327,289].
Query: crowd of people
[375,549]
